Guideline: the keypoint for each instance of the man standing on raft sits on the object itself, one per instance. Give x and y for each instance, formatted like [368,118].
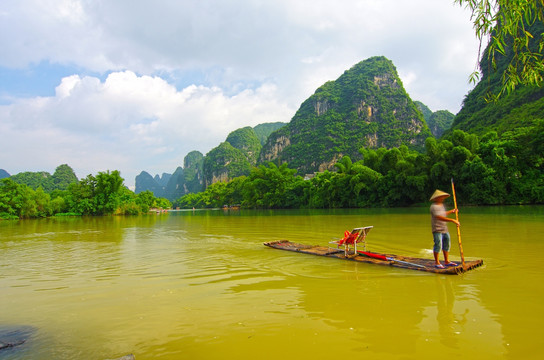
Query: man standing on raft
[441,235]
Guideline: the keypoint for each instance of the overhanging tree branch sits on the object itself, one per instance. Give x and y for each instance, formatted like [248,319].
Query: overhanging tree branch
[506,25]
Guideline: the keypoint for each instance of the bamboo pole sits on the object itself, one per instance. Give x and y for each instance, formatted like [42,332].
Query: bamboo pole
[458,228]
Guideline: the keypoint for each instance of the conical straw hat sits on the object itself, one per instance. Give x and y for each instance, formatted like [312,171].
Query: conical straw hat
[439,193]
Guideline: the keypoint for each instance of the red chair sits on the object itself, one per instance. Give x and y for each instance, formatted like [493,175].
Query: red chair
[352,238]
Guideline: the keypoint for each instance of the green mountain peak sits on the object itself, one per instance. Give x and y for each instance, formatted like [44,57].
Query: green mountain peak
[366,106]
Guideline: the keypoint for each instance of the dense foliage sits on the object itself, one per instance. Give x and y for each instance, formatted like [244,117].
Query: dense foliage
[523,107]
[492,169]
[103,194]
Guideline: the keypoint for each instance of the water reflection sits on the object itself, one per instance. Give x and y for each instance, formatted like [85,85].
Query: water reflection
[445,317]
[458,320]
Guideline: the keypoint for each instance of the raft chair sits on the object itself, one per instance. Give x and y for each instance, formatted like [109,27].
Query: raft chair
[352,238]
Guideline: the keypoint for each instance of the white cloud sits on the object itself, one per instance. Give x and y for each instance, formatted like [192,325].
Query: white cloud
[222,65]
[248,40]
[126,123]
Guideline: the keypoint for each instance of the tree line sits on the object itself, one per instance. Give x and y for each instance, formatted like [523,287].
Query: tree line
[103,194]
[488,170]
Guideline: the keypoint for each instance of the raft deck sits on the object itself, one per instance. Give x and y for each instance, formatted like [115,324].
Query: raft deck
[404,262]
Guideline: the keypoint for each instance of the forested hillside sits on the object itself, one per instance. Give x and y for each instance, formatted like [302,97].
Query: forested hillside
[494,150]
[224,163]
[487,170]
[524,107]
[162,180]
[230,159]
[366,106]
[439,122]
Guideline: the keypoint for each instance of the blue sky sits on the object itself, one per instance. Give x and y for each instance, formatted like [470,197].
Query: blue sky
[136,85]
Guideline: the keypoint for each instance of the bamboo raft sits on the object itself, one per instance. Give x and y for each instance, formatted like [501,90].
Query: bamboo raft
[404,262]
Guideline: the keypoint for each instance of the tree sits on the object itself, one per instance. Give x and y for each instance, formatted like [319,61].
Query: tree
[345,165]
[21,201]
[80,197]
[41,204]
[508,23]
[107,191]
[11,198]
[190,200]
[364,184]
[267,186]
[145,200]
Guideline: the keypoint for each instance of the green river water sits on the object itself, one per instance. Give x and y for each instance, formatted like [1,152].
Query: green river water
[200,285]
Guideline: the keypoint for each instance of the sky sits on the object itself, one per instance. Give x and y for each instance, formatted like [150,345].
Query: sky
[135,85]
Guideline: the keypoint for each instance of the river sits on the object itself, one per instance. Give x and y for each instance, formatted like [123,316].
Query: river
[200,285]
